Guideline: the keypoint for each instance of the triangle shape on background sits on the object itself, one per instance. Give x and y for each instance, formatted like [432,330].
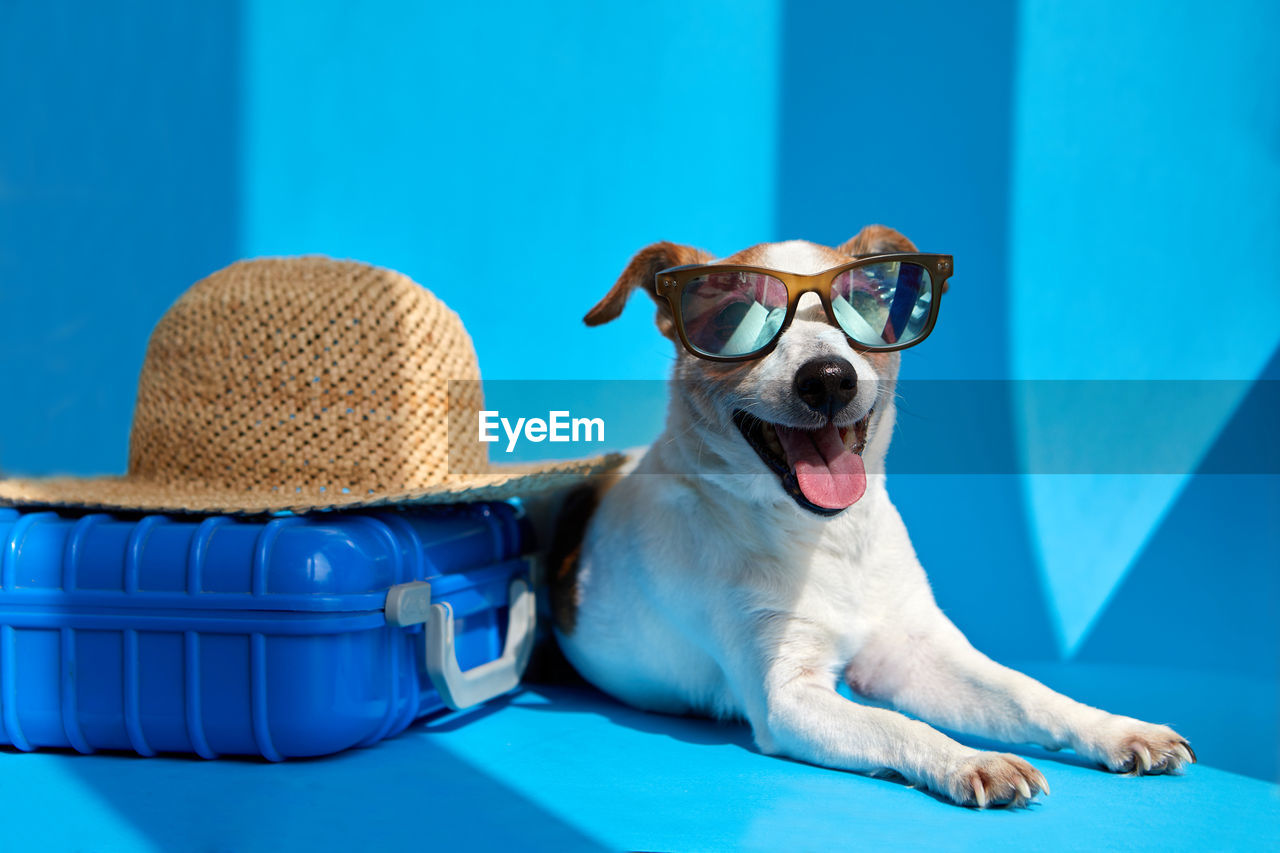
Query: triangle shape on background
[1105,461]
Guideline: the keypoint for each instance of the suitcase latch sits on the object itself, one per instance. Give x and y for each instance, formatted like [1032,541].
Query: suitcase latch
[409,603]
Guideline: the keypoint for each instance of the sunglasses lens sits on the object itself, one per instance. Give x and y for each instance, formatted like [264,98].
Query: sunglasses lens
[733,313]
[883,304]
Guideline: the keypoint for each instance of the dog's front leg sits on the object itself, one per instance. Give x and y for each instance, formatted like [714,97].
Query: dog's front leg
[926,667]
[784,679]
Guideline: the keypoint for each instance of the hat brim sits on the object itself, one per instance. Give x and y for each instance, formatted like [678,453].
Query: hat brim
[131,494]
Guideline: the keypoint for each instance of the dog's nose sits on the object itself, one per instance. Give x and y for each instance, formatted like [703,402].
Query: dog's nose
[826,385]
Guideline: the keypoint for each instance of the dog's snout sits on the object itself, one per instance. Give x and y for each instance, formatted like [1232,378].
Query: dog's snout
[826,385]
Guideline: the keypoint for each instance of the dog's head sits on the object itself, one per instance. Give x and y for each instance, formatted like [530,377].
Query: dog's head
[810,410]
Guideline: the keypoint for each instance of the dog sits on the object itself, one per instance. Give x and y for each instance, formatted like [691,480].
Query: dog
[735,574]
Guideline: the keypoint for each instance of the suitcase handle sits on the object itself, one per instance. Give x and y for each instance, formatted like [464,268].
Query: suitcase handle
[461,689]
[410,604]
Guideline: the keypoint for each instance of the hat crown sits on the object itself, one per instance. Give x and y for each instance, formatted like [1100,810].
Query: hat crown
[304,375]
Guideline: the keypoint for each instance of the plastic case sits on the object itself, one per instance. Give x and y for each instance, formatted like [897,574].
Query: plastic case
[280,637]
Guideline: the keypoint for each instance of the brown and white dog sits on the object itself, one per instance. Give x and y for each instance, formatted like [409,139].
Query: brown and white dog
[705,586]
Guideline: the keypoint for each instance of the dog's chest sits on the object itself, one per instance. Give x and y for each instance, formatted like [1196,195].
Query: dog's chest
[837,596]
[839,589]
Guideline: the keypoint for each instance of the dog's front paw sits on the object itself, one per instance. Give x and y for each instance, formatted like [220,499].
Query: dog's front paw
[1126,745]
[993,779]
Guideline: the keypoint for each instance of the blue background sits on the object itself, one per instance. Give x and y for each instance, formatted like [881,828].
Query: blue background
[1106,174]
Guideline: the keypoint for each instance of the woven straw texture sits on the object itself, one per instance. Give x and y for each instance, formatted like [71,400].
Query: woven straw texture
[301,384]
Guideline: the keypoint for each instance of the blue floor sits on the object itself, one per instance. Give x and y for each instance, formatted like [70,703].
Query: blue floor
[565,768]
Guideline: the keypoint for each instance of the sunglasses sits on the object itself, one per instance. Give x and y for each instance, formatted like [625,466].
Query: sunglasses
[730,312]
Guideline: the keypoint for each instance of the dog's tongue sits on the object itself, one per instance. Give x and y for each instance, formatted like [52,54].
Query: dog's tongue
[830,475]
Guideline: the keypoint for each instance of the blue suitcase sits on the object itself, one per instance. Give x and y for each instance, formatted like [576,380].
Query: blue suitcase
[280,637]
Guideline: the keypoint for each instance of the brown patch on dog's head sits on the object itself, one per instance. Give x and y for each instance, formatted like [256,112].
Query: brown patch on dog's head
[876,240]
[639,273]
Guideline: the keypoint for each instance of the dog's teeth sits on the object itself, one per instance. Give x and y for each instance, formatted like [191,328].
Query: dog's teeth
[855,437]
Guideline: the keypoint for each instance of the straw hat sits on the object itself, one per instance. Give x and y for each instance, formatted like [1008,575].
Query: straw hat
[304,384]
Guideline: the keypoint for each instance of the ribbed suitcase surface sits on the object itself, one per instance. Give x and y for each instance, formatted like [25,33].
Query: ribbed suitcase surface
[291,636]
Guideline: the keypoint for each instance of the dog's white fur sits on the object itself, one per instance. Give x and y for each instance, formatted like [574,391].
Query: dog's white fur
[705,589]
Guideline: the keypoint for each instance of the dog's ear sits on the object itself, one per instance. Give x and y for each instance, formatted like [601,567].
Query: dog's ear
[879,240]
[639,273]
[876,240]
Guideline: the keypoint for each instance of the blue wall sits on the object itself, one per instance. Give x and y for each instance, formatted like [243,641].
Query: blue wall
[1082,160]
[119,187]
[512,159]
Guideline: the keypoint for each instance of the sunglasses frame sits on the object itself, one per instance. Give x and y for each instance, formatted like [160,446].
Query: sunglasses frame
[669,284]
